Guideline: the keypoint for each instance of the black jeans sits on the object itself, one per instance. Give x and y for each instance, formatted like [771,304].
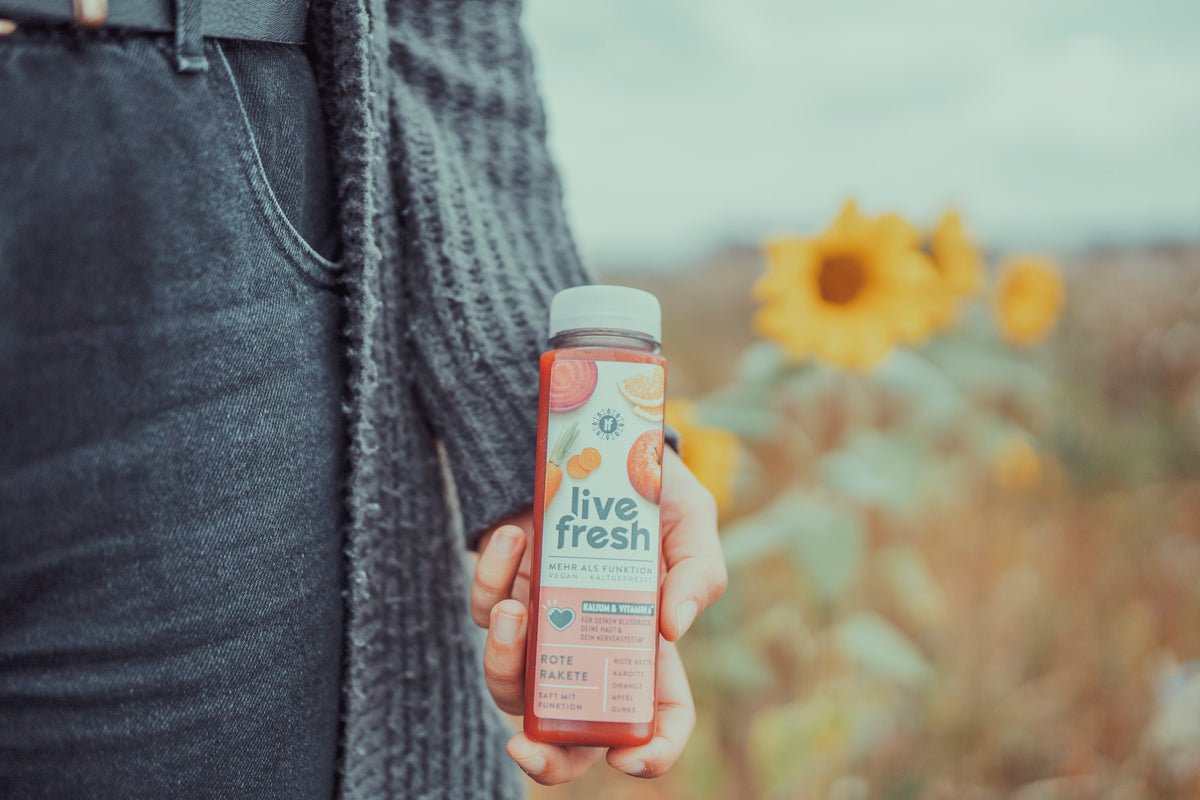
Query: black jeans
[170,430]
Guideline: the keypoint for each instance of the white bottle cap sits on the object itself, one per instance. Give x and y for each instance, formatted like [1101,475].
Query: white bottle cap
[614,307]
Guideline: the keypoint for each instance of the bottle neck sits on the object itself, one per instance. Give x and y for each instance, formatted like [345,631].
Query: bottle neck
[603,337]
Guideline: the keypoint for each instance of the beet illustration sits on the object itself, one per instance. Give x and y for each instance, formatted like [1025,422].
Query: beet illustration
[572,384]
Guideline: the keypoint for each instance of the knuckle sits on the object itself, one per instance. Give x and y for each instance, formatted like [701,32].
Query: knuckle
[479,614]
[481,607]
[499,672]
[488,583]
[720,580]
[510,705]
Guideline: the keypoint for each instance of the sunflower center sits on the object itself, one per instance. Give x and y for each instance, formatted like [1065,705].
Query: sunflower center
[841,279]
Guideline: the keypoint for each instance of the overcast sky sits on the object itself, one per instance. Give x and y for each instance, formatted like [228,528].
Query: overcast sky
[680,125]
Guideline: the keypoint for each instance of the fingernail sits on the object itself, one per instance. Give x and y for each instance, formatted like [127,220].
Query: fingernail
[686,615]
[507,627]
[534,765]
[505,541]
[635,769]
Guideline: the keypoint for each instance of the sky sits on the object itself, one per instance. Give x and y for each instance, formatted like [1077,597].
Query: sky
[681,126]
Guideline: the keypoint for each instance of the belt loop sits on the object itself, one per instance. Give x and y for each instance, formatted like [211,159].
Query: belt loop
[189,37]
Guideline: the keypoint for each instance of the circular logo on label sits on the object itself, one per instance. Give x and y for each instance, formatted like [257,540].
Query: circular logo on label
[608,423]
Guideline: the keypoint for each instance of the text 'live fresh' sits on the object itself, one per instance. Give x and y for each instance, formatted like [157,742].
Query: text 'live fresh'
[618,537]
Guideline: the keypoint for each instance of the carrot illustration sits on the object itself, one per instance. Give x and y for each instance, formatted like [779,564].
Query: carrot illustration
[589,458]
[553,481]
[562,446]
[576,469]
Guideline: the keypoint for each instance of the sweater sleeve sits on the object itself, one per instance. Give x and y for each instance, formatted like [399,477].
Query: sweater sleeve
[485,240]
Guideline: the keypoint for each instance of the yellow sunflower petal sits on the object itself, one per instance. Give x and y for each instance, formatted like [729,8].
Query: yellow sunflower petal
[709,453]
[848,226]
[955,255]
[894,230]
[788,261]
[1029,296]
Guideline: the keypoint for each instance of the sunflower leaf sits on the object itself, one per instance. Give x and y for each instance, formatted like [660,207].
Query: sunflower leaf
[743,410]
[982,366]
[754,536]
[934,397]
[732,666]
[762,363]
[829,547]
[877,469]
[879,647]
[912,584]
[810,381]
[824,538]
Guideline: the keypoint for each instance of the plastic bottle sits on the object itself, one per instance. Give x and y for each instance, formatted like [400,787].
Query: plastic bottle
[593,639]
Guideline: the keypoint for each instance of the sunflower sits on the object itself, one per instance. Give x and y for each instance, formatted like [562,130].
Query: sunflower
[850,294]
[958,265]
[1029,296]
[710,453]
[955,256]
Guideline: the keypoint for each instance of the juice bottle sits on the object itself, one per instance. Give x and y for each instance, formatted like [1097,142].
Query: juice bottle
[593,637]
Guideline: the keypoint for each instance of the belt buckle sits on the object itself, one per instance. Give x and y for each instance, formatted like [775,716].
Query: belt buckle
[90,13]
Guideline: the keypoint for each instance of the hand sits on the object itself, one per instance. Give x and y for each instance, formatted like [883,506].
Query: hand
[695,578]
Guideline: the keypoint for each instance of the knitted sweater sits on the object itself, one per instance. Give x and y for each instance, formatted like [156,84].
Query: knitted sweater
[454,242]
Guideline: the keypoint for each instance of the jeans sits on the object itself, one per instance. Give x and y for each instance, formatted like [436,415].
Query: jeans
[171,439]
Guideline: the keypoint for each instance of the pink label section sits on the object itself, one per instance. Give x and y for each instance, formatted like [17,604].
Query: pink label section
[595,657]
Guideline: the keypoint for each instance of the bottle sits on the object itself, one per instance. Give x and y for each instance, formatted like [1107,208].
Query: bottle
[594,594]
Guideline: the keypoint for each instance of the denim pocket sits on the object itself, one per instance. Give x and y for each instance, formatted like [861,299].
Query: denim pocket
[278,226]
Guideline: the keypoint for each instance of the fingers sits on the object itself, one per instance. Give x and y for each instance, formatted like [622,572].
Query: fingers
[549,764]
[676,718]
[498,566]
[504,656]
[696,575]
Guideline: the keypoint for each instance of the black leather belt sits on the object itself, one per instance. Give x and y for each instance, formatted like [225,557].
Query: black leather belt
[263,20]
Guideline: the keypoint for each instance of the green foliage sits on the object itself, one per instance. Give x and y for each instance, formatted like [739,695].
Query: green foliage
[799,747]
[880,469]
[912,584]
[734,668]
[867,455]
[827,544]
[824,538]
[984,370]
[935,400]
[744,410]
[877,646]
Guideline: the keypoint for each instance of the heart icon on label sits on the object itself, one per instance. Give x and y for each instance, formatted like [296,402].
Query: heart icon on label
[561,618]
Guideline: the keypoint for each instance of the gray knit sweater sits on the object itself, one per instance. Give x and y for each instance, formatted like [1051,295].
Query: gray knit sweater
[454,242]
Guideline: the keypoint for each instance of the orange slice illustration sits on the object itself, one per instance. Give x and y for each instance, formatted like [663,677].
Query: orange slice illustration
[644,389]
[654,414]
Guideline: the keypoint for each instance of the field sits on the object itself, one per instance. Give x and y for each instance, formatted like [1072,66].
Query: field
[969,571]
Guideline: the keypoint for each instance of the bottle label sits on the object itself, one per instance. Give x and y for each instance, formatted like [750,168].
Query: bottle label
[598,626]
